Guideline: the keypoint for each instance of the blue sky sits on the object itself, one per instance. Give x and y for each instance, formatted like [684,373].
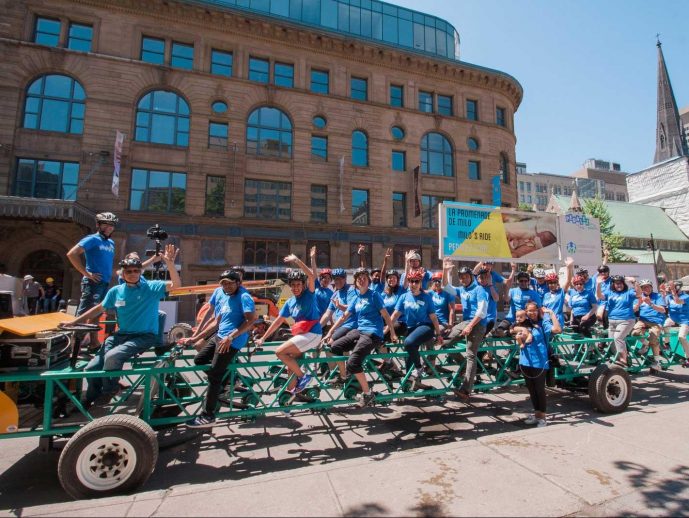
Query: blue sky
[588,69]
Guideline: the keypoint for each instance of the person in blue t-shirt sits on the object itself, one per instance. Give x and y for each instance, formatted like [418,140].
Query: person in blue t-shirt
[443,302]
[342,296]
[303,309]
[235,314]
[538,281]
[98,250]
[486,281]
[517,298]
[678,313]
[413,266]
[136,304]
[583,304]
[393,291]
[371,317]
[620,307]
[652,311]
[323,291]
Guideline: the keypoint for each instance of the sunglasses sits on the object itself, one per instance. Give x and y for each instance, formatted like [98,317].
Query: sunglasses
[414,282]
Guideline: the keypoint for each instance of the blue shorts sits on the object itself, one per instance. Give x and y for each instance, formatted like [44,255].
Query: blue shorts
[92,294]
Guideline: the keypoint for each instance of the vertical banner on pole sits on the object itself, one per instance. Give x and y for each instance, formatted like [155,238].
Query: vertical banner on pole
[117,162]
[417,194]
[342,207]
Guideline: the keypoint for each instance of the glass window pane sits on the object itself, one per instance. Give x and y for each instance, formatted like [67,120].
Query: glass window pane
[162,129]
[58,86]
[397,133]
[284,75]
[55,115]
[182,56]
[164,101]
[139,177]
[80,37]
[47,32]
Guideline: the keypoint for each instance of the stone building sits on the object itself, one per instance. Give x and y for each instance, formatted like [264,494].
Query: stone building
[251,129]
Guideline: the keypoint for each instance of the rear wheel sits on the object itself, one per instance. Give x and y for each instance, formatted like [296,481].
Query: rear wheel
[610,388]
[179,331]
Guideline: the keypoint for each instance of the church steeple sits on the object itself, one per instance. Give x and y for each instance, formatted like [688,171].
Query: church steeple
[669,136]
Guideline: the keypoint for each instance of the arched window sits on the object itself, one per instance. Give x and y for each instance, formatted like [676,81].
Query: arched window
[472,144]
[505,168]
[359,149]
[436,155]
[269,133]
[162,117]
[55,103]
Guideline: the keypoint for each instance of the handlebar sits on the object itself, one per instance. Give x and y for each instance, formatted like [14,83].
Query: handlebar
[66,326]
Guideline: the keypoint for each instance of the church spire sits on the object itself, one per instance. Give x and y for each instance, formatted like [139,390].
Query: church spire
[669,137]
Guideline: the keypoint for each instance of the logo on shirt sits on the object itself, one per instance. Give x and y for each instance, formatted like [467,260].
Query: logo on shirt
[361,304]
[415,304]
[106,247]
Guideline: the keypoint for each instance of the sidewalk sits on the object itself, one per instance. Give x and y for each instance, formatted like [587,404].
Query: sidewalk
[423,460]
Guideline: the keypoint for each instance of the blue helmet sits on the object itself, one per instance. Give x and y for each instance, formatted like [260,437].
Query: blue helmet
[339,272]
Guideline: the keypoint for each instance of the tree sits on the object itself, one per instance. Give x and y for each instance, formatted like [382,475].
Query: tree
[526,207]
[610,240]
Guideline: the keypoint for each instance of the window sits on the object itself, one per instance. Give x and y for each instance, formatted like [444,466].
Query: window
[445,105]
[557,189]
[505,169]
[425,101]
[322,253]
[429,210]
[80,37]
[500,116]
[359,207]
[47,32]
[55,103]
[355,258]
[399,252]
[319,203]
[359,149]
[221,63]
[608,195]
[157,191]
[399,161]
[541,187]
[472,144]
[217,135]
[359,88]
[436,155]
[182,56]
[212,251]
[620,196]
[319,147]
[475,170]
[219,107]
[472,110]
[46,179]
[521,186]
[320,81]
[399,209]
[215,195]
[269,133]
[267,200]
[397,133]
[320,122]
[153,50]
[265,253]
[476,201]
[397,96]
[283,75]
[259,70]
[162,117]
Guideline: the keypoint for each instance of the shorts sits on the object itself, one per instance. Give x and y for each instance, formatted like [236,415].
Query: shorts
[306,342]
[92,294]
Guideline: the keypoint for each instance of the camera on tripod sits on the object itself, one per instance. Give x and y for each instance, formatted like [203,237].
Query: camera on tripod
[158,235]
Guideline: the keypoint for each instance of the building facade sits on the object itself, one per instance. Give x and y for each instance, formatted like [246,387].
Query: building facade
[250,130]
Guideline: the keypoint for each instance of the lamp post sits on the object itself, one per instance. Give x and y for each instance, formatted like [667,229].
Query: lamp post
[650,245]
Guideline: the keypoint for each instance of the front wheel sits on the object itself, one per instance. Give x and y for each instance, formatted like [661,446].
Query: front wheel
[610,388]
[110,455]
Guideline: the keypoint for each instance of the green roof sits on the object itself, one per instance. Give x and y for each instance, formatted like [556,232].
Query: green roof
[646,257]
[636,220]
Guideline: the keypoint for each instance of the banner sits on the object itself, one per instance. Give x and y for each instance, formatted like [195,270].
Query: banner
[417,194]
[117,161]
[497,190]
[579,238]
[474,232]
[342,207]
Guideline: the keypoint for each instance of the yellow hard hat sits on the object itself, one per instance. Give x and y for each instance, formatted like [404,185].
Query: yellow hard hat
[49,279]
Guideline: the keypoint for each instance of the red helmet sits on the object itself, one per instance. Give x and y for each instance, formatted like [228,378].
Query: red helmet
[578,279]
[552,277]
[437,276]
[325,271]
[415,276]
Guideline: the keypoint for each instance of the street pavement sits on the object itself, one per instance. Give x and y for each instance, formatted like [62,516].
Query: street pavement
[413,458]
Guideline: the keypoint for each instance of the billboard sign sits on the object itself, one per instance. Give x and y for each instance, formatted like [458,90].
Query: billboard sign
[579,238]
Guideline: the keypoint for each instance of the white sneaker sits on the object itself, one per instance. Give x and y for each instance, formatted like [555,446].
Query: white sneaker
[541,423]
[655,366]
[531,420]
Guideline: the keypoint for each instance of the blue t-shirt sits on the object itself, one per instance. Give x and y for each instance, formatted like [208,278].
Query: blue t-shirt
[581,302]
[519,298]
[649,314]
[231,312]
[555,301]
[535,354]
[492,305]
[541,289]
[344,296]
[417,309]
[424,281]
[621,304]
[323,296]
[678,313]
[441,305]
[217,299]
[100,254]
[471,297]
[137,307]
[378,287]
[367,308]
[605,287]
[390,301]
[303,307]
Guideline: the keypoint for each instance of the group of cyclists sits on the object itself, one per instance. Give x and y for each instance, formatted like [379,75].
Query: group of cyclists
[415,307]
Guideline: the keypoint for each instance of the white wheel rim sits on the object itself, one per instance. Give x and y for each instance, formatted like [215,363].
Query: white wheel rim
[616,390]
[106,463]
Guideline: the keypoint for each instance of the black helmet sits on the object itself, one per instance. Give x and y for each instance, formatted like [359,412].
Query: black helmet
[130,262]
[393,273]
[374,270]
[230,275]
[617,278]
[523,275]
[603,268]
[582,271]
[296,275]
[465,270]
[107,217]
[361,271]
[239,269]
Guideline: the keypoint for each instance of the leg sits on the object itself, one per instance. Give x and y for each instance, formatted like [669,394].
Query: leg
[126,349]
[473,342]
[206,353]
[355,365]
[288,353]
[413,341]
[339,347]
[683,332]
[95,385]
[216,376]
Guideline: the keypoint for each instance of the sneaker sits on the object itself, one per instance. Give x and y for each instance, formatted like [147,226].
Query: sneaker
[201,421]
[655,366]
[541,423]
[417,384]
[337,382]
[461,395]
[302,383]
[531,420]
[685,364]
[365,399]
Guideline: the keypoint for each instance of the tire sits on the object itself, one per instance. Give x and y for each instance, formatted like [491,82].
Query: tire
[179,331]
[610,389]
[110,455]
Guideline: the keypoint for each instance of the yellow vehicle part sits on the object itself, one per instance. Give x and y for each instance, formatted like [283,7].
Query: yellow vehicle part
[25,326]
[9,415]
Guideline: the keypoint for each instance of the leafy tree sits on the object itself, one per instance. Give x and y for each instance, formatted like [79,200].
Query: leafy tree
[610,240]
[526,207]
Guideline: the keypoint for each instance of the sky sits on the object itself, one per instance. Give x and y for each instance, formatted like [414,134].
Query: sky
[588,69]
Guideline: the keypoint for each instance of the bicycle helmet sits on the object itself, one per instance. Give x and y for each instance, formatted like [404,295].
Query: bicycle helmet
[296,275]
[239,269]
[230,275]
[394,273]
[106,217]
[325,271]
[578,279]
[539,273]
[130,262]
[49,279]
[374,270]
[603,268]
[644,282]
[416,256]
[552,277]
[437,276]
[523,275]
[465,270]
[361,271]
[582,271]
[617,278]
[415,276]
[339,272]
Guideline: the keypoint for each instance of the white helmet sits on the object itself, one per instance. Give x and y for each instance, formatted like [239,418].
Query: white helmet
[538,273]
[645,282]
[107,217]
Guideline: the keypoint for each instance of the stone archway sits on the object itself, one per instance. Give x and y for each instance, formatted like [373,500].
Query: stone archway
[42,264]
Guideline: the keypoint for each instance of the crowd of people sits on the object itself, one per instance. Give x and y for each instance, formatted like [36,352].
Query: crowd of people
[39,298]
